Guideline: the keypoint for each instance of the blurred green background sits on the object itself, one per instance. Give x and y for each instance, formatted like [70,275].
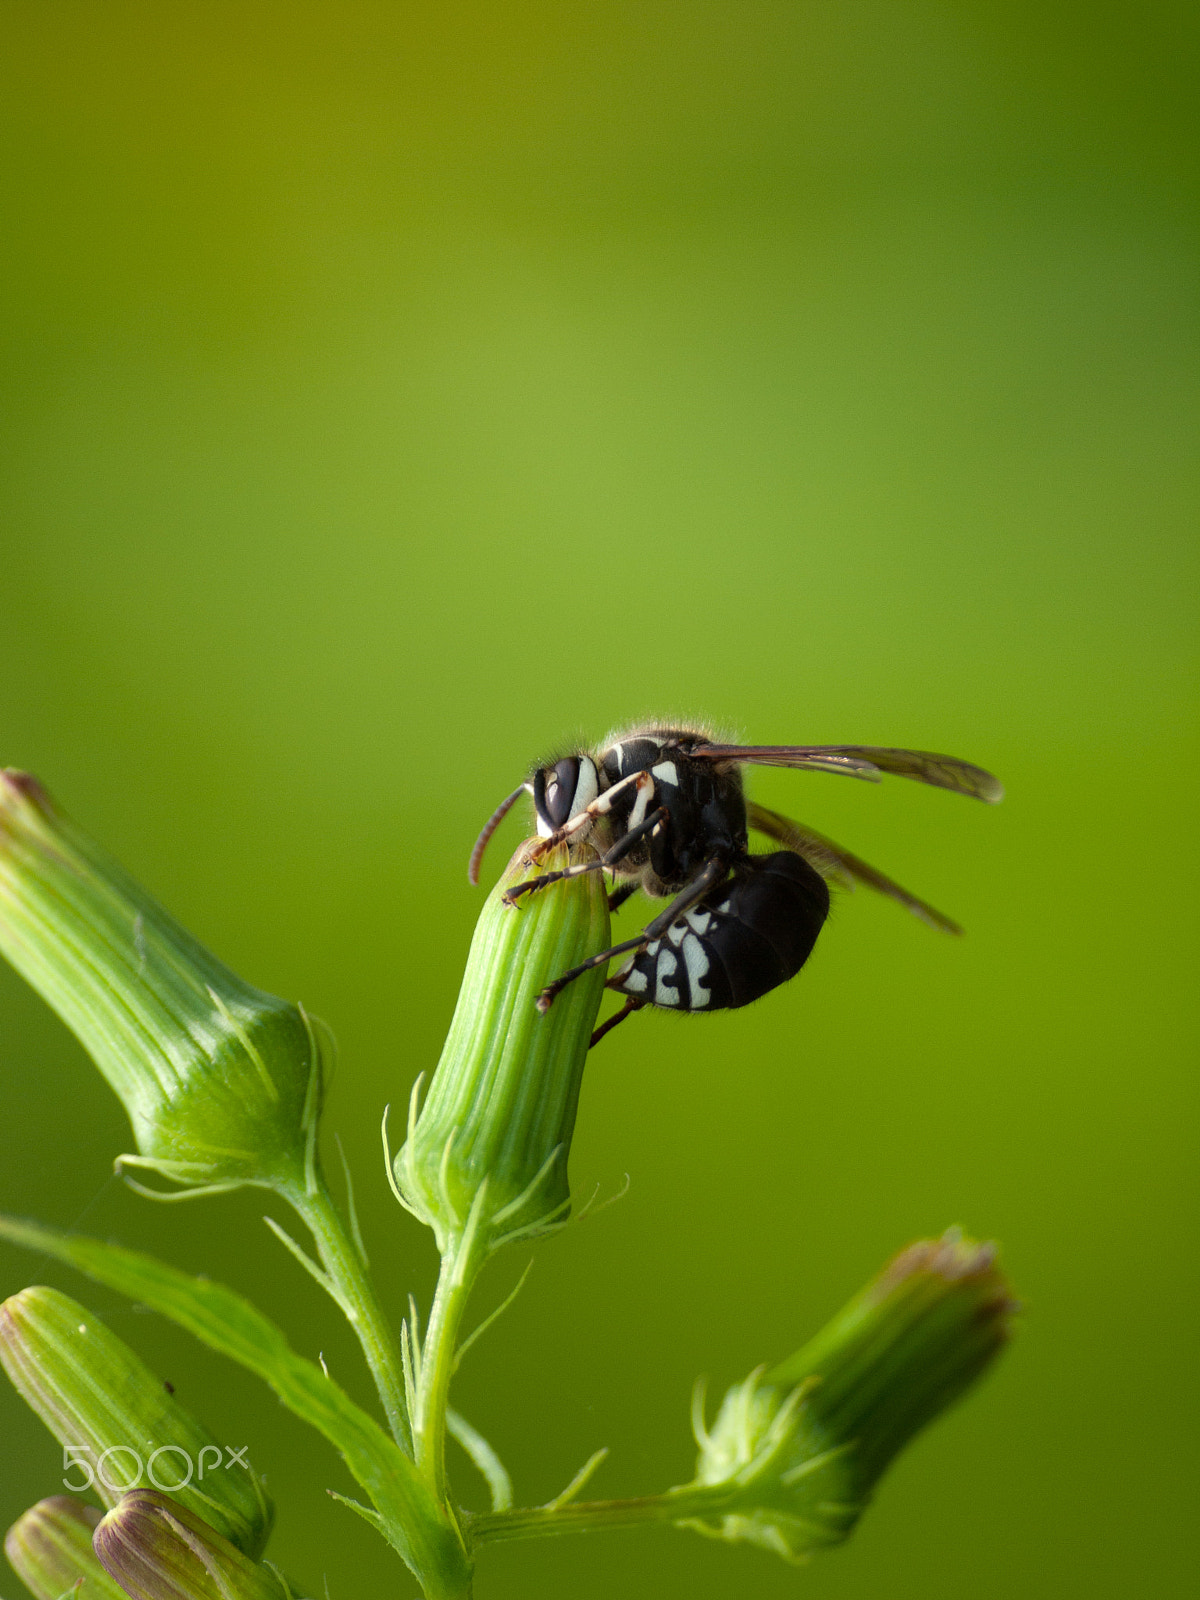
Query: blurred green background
[394,392]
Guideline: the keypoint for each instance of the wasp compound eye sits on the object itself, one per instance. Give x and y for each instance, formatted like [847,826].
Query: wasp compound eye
[564,790]
[554,790]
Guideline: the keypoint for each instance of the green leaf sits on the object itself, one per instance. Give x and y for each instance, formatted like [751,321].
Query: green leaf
[414,1524]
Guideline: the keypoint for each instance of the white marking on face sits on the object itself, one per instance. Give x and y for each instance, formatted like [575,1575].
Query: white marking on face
[544,828]
[697,970]
[666,994]
[700,921]
[640,806]
[632,980]
[586,788]
[665,773]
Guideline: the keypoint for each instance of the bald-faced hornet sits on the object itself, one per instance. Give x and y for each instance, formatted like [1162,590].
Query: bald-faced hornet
[664,808]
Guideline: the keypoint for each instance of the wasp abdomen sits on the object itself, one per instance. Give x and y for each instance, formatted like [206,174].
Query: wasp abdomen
[745,937]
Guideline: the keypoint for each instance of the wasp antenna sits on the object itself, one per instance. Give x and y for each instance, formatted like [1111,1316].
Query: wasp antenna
[489,828]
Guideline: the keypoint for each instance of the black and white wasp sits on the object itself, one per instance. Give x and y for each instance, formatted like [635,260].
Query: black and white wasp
[664,807]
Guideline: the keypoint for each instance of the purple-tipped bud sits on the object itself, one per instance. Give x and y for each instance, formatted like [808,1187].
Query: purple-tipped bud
[158,1551]
[50,1550]
[118,1425]
[802,1445]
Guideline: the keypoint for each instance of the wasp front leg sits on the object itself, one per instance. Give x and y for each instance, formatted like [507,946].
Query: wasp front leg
[657,820]
[600,807]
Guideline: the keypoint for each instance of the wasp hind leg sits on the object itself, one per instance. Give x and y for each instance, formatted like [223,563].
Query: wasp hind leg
[626,1010]
[619,896]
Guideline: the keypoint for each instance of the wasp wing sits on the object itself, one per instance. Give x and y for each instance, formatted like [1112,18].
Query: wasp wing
[831,861]
[865,761]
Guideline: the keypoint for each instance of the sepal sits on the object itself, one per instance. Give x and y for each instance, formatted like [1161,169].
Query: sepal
[798,1449]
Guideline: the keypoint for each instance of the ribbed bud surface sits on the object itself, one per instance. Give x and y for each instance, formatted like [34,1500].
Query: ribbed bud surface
[803,1444]
[158,1551]
[50,1550]
[500,1110]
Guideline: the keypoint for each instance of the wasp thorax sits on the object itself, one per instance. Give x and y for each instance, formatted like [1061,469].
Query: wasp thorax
[562,791]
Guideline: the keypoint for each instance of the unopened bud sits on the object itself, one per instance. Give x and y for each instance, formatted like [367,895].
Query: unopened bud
[158,1551]
[489,1149]
[801,1446]
[117,1423]
[222,1083]
[50,1550]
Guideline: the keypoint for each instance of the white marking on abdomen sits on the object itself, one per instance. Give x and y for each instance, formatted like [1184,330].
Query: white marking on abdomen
[632,979]
[699,920]
[665,772]
[665,995]
[697,970]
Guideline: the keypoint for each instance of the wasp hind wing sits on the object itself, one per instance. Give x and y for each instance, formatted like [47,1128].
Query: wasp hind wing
[834,863]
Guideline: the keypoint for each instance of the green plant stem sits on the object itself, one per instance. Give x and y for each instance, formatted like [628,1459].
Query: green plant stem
[460,1268]
[539,1522]
[355,1293]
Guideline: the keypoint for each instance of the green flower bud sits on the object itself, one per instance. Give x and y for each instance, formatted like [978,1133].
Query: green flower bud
[799,1448]
[50,1550]
[119,1426]
[158,1551]
[488,1152]
[222,1082]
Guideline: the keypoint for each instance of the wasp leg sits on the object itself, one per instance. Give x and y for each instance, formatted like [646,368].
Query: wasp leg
[626,1010]
[608,859]
[708,877]
[619,896]
[548,995]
